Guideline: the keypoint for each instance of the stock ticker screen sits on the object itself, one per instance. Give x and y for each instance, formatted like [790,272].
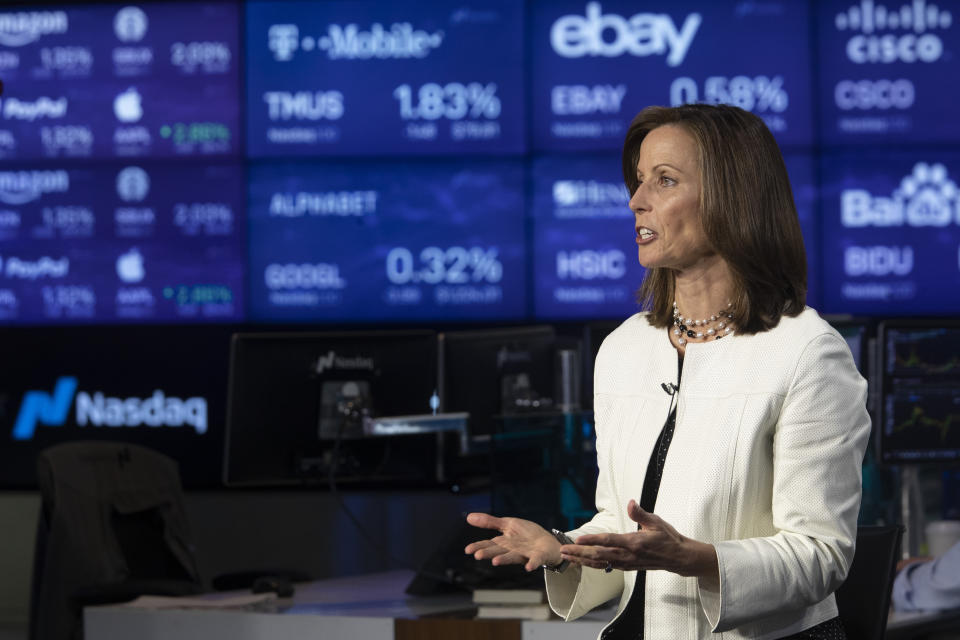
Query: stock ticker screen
[363,240]
[438,77]
[126,243]
[891,233]
[921,391]
[885,71]
[595,65]
[115,81]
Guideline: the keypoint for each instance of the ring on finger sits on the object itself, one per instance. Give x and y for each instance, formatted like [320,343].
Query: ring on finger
[608,568]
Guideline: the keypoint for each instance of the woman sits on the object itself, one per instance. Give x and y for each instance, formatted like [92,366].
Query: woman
[726,502]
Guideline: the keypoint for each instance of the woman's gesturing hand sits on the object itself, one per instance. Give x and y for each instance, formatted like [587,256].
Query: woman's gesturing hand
[656,545]
[520,542]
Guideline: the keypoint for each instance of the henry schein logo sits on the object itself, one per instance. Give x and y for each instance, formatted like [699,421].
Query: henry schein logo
[98,410]
[925,198]
[349,42]
[915,21]
[22,28]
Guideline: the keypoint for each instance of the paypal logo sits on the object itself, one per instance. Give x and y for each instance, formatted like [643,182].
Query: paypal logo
[47,409]
[611,35]
[97,409]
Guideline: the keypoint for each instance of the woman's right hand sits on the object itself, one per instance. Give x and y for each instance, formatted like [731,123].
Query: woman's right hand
[520,542]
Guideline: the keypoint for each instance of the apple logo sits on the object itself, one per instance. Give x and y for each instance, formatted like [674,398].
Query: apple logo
[130,266]
[127,107]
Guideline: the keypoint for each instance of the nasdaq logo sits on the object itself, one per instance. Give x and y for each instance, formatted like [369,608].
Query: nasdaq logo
[331,361]
[917,20]
[878,261]
[925,198]
[44,408]
[133,184]
[21,187]
[611,35]
[22,28]
[98,409]
[42,107]
[130,24]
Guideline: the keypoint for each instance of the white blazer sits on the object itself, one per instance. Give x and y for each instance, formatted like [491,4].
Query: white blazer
[765,464]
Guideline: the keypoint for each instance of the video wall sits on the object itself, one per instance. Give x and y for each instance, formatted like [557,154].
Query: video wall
[366,161]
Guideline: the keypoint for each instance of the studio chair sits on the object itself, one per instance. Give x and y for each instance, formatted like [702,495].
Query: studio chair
[112,527]
[863,600]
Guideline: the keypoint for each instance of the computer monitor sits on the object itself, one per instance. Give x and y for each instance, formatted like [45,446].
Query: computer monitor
[857,332]
[920,414]
[299,405]
[497,372]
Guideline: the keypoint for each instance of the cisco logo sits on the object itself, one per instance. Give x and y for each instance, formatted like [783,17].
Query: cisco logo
[925,198]
[21,187]
[611,35]
[130,24]
[98,410]
[349,42]
[869,46]
[22,28]
[332,361]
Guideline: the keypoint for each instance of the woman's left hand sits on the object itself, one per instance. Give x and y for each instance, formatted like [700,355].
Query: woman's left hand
[656,545]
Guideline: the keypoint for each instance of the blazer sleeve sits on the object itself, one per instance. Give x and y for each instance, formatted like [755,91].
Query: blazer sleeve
[580,589]
[818,446]
[929,586]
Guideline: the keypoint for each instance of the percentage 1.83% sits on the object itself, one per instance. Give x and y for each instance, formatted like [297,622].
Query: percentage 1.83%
[434,265]
[453,101]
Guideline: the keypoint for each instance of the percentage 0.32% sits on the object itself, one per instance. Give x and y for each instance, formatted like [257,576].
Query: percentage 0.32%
[433,265]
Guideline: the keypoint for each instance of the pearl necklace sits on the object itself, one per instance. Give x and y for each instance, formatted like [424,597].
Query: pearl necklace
[684,327]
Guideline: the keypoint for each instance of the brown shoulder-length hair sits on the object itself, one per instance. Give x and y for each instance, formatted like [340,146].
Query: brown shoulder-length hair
[746,210]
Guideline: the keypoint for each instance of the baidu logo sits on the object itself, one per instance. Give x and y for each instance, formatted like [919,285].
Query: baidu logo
[130,24]
[283,40]
[925,198]
[133,184]
[916,21]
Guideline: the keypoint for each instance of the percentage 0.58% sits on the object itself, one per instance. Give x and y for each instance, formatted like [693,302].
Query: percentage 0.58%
[453,101]
[433,265]
[752,94]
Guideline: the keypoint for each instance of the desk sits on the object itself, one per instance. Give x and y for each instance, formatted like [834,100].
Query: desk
[368,607]
[908,626]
